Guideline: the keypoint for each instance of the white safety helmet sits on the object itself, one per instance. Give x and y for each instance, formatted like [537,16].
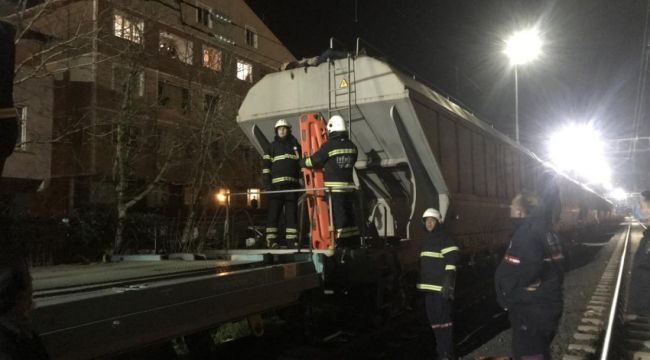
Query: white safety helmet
[431,212]
[282,122]
[336,123]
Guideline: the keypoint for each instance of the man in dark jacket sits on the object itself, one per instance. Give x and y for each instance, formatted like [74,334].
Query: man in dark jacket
[337,158]
[639,303]
[281,171]
[437,280]
[8,121]
[17,340]
[529,280]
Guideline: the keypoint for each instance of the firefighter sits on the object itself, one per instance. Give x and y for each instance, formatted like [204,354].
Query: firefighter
[437,280]
[281,171]
[639,303]
[8,120]
[528,281]
[337,158]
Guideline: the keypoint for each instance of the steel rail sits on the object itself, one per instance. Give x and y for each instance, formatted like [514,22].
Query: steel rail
[615,298]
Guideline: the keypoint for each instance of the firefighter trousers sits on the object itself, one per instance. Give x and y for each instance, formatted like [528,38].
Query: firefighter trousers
[347,232]
[439,315]
[277,203]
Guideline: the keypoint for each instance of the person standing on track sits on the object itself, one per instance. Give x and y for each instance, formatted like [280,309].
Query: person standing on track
[337,158]
[529,280]
[639,303]
[281,171]
[437,280]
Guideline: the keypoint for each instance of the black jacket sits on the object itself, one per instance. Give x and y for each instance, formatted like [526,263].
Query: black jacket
[281,168]
[17,342]
[639,302]
[531,270]
[337,158]
[437,261]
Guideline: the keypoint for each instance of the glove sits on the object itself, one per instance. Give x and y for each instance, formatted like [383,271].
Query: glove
[449,285]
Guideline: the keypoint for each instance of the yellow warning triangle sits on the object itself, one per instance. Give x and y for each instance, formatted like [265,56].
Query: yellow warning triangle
[343,84]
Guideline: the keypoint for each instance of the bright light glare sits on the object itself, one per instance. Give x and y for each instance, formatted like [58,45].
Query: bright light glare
[578,150]
[221,196]
[618,194]
[523,46]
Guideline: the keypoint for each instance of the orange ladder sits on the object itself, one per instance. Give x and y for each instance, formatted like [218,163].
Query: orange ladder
[312,136]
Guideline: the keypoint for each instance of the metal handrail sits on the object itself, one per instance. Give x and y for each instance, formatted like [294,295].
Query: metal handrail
[615,298]
[326,189]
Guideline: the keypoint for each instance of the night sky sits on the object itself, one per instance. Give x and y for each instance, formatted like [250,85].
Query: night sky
[589,70]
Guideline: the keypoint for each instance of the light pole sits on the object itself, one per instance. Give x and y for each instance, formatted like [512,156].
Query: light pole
[521,47]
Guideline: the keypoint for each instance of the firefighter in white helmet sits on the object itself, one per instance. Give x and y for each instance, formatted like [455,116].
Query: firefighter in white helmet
[437,280]
[337,158]
[281,171]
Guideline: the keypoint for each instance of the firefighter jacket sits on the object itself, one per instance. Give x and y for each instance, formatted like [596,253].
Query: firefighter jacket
[337,158]
[280,168]
[531,270]
[437,261]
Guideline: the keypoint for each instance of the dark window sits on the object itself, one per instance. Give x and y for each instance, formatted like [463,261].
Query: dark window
[203,17]
[210,103]
[251,37]
[173,97]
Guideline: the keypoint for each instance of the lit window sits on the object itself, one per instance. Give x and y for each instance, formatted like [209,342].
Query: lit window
[21,144]
[128,27]
[244,71]
[203,17]
[123,77]
[175,47]
[251,37]
[212,58]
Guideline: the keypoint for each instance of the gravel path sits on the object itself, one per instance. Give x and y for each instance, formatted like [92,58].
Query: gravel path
[579,284]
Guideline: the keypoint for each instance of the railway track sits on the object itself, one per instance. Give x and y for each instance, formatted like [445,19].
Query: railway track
[606,330]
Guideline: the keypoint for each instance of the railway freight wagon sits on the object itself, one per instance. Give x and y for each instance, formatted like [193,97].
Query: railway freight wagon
[418,149]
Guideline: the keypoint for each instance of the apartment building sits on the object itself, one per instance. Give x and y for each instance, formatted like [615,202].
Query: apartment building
[135,93]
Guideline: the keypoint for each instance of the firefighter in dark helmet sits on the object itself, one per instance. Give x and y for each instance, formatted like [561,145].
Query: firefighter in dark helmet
[337,158]
[437,280]
[281,171]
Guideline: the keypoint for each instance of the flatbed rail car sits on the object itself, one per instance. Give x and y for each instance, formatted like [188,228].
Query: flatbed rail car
[418,149]
[90,311]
